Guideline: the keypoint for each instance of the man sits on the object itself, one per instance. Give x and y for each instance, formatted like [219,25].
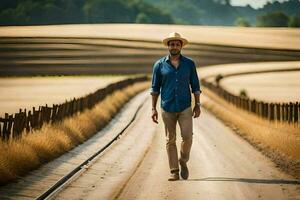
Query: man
[173,76]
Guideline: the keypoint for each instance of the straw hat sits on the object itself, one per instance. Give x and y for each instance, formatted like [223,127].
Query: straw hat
[175,36]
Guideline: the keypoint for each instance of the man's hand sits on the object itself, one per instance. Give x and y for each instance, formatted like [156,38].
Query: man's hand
[154,115]
[196,111]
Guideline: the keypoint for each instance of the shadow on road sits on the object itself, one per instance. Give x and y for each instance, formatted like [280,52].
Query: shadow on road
[249,180]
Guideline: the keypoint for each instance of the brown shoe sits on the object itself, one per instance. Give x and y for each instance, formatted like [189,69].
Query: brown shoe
[174,177]
[184,171]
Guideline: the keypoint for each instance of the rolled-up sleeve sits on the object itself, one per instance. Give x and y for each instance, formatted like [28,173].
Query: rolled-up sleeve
[156,79]
[194,80]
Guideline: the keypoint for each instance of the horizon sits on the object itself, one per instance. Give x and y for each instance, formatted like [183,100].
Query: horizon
[256,4]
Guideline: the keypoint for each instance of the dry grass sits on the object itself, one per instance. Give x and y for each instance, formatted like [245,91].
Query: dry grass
[278,141]
[18,157]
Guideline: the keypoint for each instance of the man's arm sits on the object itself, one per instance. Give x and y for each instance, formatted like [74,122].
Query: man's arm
[197,110]
[155,90]
[195,85]
[197,98]
[154,111]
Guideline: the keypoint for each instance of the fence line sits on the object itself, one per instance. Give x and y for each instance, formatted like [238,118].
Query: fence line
[11,126]
[281,112]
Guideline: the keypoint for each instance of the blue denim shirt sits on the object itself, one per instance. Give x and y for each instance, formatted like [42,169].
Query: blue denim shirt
[175,84]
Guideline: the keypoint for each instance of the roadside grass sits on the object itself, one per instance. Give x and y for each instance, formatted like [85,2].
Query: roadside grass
[33,149]
[278,141]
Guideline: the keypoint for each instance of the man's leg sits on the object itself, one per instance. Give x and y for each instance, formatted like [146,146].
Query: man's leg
[170,120]
[185,121]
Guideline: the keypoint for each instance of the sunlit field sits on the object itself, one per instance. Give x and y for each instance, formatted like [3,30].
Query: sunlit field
[26,92]
[247,67]
[286,38]
[133,48]
[271,87]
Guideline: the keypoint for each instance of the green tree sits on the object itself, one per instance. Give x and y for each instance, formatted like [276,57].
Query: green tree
[294,21]
[142,18]
[11,17]
[273,19]
[52,14]
[187,12]
[240,21]
[155,14]
[99,11]
[22,14]
[224,2]
[72,11]
[243,93]
[6,4]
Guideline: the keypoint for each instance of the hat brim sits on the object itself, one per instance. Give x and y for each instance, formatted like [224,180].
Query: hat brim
[184,41]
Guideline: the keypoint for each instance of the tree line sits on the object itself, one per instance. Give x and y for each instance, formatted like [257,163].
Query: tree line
[39,12]
[272,19]
[221,12]
[197,12]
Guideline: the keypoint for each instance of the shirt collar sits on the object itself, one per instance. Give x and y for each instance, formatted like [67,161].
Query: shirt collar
[167,59]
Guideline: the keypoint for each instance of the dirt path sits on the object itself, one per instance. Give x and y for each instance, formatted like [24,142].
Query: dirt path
[109,173]
[222,166]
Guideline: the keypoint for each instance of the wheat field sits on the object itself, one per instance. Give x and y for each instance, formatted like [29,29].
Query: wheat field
[284,38]
[27,92]
[276,87]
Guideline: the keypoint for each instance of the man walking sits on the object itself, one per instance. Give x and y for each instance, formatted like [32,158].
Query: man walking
[173,76]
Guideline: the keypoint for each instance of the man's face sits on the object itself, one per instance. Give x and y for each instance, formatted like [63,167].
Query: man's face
[174,47]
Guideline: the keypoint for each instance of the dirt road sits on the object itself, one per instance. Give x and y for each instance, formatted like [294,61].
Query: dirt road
[222,166]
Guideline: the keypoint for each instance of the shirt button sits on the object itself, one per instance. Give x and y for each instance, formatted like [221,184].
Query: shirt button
[176,80]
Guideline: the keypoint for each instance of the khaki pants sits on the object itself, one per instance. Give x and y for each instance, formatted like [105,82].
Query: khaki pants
[185,121]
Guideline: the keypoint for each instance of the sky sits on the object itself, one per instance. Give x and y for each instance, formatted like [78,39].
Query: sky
[253,3]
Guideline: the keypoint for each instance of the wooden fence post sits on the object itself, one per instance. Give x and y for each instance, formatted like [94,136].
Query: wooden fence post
[267,110]
[277,111]
[283,112]
[264,109]
[296,112]
[5,132]
[9,126]
[1,127]
[261,109]
[28,121]
[291,112]
[253,106]
[272,112]
[286,113]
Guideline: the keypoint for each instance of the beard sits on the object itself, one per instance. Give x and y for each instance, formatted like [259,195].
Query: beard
[174,52]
